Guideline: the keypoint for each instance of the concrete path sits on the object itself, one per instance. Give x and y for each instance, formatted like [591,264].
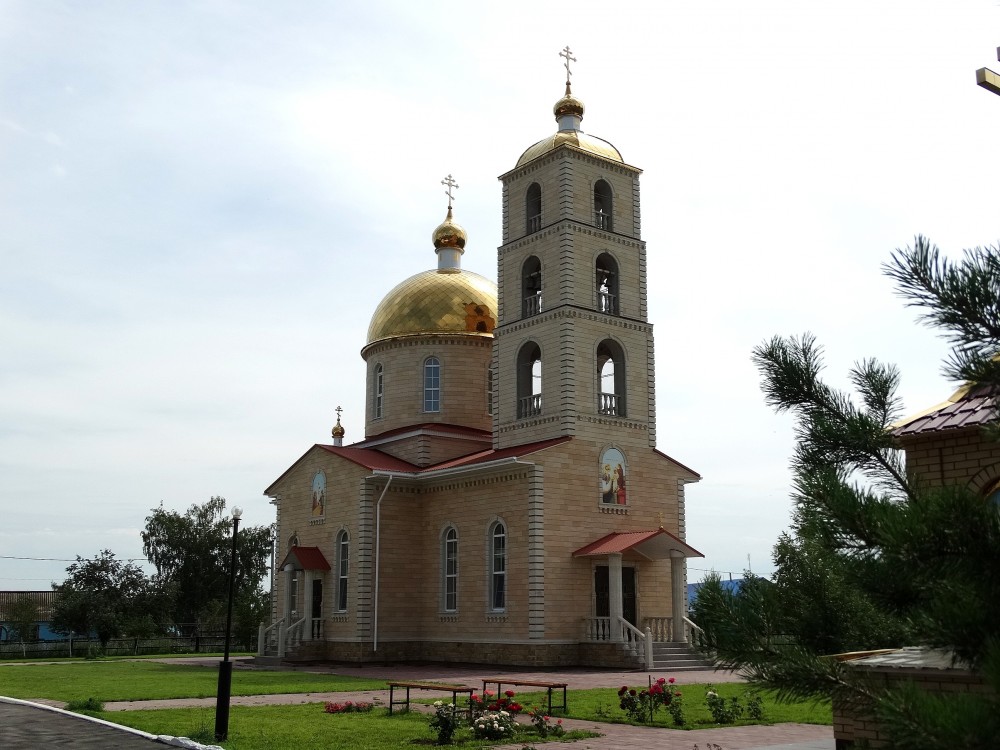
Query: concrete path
[614,736]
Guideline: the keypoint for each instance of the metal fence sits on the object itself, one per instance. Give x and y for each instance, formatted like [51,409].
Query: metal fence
[213,642]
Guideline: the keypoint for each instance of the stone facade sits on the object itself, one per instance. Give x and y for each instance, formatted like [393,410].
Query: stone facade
[478,531]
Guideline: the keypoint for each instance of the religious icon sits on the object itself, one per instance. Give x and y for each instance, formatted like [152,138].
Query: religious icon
[612,477]
[319,494]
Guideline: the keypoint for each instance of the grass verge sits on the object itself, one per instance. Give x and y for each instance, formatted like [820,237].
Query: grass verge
[143,680]
[296,727]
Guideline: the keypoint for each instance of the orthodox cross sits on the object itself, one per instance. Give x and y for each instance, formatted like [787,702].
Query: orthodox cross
[452,185]
[338,410]
[988,79]
[568,54]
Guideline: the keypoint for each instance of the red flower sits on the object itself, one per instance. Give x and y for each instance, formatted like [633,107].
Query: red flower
[632,693]
[623,689]
[671,680]
[509,693]
[661,681]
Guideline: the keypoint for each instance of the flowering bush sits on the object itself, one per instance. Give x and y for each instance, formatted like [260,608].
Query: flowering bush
[543,724]
[348,707]
[494,725]
[445,721]
[642,705]
[488,701]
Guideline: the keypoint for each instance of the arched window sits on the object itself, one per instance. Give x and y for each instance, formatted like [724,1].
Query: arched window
[602,206]
[992,493]
[343,551]
[489,390]
[378,392]
[449,568]
[611,376]
[529,381]
[531,286]
[533,208]
[498,566]
[432,384]
[293,541]
[606,276]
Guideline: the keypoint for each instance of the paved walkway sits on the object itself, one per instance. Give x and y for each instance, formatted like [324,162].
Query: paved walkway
[614,736]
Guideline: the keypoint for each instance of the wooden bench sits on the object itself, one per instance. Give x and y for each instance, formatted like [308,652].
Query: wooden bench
[514,682]
[453,689]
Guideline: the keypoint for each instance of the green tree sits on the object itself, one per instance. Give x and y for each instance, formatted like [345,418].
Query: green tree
[106,597]
[22,618]
[916,562]
[191,553]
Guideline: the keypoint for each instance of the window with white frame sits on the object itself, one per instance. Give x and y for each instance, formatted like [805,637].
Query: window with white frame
[432,384]
[450,569]
[498,567]
[343,550]
[379,392]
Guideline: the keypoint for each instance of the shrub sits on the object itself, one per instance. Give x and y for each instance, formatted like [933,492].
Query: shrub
[348,707]
[445,721]
[90,704]
[642,705]
[543,724]
[494,725]
[723,711]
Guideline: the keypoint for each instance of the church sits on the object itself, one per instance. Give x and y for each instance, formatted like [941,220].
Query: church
[508,504]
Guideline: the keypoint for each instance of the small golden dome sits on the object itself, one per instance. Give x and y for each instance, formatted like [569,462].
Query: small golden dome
[449,234]
[446,301]
[568,105]
[338,430]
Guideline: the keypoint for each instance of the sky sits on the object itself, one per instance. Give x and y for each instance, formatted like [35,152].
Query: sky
[202,203]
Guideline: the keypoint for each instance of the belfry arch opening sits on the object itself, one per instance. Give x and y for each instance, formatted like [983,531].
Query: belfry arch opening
[603,206]
[529,381]
[606,276]
[531,287]
[611,378]
[533,208]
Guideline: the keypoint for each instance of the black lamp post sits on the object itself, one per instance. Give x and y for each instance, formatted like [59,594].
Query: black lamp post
[226,666]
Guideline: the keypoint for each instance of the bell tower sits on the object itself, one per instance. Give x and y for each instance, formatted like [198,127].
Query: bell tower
[573,351]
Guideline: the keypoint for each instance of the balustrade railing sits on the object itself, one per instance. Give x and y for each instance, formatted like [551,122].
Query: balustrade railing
[607,303]
[267,638]
[534,223]
[317,629]
[662,628]
[532,305]
[597,628]
[602,220]
[608,403]
[530,406]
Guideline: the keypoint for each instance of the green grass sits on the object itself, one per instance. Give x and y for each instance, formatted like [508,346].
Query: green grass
[144,680]
[302,726]
[601,704]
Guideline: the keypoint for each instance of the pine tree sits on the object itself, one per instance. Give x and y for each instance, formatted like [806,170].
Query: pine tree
[875,556]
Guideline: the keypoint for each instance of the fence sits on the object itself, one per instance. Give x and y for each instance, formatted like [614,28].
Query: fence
[205,643]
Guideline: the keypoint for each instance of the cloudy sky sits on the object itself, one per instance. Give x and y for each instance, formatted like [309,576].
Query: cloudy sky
[201,204]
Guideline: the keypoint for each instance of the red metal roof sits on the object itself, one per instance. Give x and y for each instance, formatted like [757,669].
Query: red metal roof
[967,407]
[655,545]
[371,458]
[306,558]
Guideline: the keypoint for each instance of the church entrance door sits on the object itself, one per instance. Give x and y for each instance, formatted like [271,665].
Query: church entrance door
[602,595]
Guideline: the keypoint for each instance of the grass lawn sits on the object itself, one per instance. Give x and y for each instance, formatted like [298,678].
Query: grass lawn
[145,680]
[601,704]
[303,726]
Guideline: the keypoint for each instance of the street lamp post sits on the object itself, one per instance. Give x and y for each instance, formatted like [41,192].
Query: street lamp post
[226,666]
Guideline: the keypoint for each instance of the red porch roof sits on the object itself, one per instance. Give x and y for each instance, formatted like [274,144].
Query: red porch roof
[305,558]
[653,545]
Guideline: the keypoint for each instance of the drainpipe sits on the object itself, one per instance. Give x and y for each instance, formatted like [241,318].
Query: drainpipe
[378,542]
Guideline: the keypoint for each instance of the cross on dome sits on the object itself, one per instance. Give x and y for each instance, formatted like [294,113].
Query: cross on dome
[452,185]
[567,53]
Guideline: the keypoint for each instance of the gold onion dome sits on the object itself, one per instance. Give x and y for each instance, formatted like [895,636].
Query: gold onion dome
[449,233]
[338,429]
[446,300]
[569,114]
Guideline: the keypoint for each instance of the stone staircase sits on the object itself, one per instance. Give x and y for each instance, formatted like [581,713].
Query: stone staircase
[678,657]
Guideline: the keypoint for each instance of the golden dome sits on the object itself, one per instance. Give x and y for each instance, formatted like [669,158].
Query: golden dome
[449,234]
[568,105]
[338,430]
[575,138]
[446,301]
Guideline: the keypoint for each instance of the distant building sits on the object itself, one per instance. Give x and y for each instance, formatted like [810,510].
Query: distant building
[43,600]
[507,504]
